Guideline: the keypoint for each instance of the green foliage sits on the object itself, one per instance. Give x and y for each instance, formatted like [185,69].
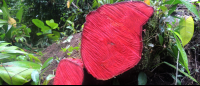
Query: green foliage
[188,75]
[19,72]
[187,28]
[173,35]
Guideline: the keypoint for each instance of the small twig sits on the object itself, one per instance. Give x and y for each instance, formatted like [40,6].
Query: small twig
[76,7]
[177,68]
[8,74]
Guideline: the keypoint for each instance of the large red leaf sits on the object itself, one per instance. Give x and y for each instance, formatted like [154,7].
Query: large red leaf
[69,72]
[112,38]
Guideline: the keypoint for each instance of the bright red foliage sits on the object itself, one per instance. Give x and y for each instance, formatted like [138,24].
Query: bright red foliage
[112,38]
[69,72]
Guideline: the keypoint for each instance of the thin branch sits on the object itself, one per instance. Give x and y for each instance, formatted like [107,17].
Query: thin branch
[177,68]
[76,7]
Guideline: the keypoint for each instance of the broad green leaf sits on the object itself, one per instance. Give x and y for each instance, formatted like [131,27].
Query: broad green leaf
[142,78]
[187,30]
[3,56]
[183,54]
[3,21]
[38,23]
[19,14]
[46,30]
[47,62]
[35,77]
[52,24]
[24,64]
[19,75]
[191,7]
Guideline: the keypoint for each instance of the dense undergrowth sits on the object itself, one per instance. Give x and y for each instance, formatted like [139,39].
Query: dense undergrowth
[28,26]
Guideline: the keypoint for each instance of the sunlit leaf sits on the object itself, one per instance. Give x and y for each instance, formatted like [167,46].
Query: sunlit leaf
[187,30]
[52,24]
[38,23]
[35,77]
[24,64]
[18,75]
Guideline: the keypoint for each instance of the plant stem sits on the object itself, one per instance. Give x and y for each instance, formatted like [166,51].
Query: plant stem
[177,68]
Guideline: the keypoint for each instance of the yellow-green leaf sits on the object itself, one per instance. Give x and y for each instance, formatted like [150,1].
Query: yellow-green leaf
[187,30]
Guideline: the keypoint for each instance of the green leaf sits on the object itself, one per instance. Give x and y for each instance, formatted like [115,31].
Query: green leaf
[56,34]
[178,81]
[38,23]
[19,14]
[31,56]
[171,10]
[181,72]
[173,2]
[52,24]
[46,30]
[47,62]
[3,56]
[38,34]
[191,7]
[49,77]
[183,54]
[3,21]
[179,36]
[24,64]
[19,75]
[142,78]
[187,30]
[35,77]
